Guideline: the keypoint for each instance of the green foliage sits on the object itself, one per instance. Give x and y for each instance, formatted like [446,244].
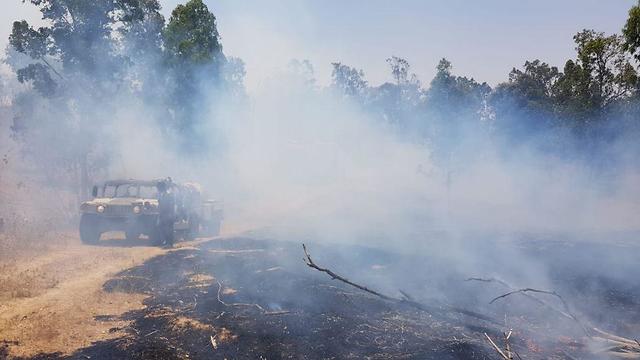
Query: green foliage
[631,32]
[141,27]
[348,80]
[600,76]
[454,94]
[40,76]
[191,36]
[399,69]
[530,90]
[34,43]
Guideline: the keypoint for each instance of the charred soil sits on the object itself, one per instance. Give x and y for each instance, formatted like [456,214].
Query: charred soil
[249,299]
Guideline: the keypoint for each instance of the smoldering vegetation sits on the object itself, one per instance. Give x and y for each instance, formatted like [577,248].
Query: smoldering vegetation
[533,181]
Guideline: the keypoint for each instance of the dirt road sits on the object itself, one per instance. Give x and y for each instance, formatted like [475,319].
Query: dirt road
[55,301]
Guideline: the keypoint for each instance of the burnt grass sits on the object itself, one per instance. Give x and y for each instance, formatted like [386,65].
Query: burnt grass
[210,291]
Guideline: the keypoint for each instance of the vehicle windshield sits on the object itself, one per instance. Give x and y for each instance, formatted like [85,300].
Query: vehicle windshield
[130,190]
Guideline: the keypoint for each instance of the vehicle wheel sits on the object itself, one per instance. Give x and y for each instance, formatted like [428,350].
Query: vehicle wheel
[156,237]
[194,230]
[89,229]
[132,234]
[163,235]
[213,228]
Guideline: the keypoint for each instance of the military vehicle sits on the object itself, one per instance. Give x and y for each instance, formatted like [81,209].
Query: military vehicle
[131,206]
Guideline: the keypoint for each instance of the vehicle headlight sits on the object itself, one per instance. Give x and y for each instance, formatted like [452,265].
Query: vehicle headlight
[100,208]
[136,209]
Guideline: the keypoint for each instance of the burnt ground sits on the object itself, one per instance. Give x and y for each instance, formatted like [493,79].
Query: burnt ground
[242,298]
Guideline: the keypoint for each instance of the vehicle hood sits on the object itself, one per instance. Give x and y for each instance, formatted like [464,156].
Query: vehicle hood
[123,201]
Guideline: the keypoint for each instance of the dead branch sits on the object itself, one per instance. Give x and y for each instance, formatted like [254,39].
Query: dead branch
[566,312]
[507,346]
[496,347]
[263,310]
[335,276]
[616,338]
[407,299]
[405,295]
[528,290]
[539,301]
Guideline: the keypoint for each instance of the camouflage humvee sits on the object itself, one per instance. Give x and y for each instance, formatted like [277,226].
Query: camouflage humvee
[131,206]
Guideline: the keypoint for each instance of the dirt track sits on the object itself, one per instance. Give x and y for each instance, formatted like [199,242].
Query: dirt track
[52,302]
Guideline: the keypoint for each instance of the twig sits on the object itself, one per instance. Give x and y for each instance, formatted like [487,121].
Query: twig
[263,310]
[527,290]
[564,303]
[617,338]
[151,333]
[335,276]
[518,355]
[566,312]
[237,304]
[507,345]
[406,300]
[405,295]
[496,347]
[277,312]
[539,301]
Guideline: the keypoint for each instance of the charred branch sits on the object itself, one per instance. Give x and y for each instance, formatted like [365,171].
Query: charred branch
[407,299]
[335,276]
[257,306]
[526,292]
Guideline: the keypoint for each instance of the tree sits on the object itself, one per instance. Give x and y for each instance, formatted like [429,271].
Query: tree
[348,81]
[141,26]
[631,32]
[454,98]
[525,103]
[75,68]
[399,69]
[600,76]
[194,58]
[453,105]
[191,36]
[395,102]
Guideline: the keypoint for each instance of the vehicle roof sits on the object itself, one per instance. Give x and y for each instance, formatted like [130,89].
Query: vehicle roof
[131,181]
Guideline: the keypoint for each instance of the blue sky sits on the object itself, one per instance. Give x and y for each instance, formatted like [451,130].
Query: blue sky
[483,39]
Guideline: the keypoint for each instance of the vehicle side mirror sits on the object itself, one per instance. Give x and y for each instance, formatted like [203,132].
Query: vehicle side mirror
[94,191]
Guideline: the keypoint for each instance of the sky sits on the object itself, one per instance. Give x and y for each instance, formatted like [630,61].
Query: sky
[484,39]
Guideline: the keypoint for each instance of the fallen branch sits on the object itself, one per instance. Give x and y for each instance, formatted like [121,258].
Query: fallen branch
[335,276]
[528,290]
[566,312]
[611,337]
[507,346]
[539,301]
[257,306]
[407,299]
[505,357]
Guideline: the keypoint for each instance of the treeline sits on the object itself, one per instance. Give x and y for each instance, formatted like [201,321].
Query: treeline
[96,59]
[593,101]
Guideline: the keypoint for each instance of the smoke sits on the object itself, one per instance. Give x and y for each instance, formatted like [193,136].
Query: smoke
[301,162]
